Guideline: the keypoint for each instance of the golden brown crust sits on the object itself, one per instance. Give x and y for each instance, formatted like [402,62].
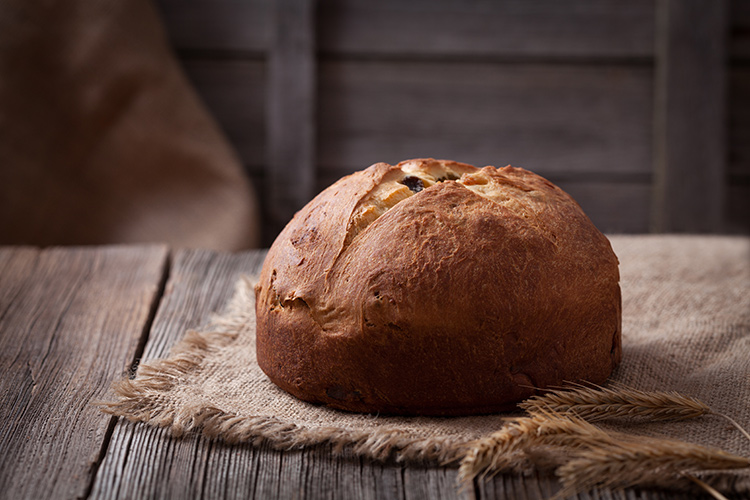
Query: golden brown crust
[455,299]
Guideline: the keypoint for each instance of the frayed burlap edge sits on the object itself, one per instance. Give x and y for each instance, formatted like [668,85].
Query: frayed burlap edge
[141,400]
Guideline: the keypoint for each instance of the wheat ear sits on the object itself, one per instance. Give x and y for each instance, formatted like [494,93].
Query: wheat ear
[598,403]
[647,461]
[502,450]
[595,403]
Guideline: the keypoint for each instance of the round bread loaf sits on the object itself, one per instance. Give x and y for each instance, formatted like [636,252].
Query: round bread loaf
[437,288]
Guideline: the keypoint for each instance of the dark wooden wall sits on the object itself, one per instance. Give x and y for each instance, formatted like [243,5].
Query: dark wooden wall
[737,204]
[639,109]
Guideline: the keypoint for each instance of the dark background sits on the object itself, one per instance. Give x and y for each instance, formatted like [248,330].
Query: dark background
[639,109]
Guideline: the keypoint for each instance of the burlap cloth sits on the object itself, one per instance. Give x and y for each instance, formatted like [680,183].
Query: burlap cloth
[686,328]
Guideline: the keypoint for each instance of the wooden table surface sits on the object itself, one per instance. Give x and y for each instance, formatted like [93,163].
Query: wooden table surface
[73,320]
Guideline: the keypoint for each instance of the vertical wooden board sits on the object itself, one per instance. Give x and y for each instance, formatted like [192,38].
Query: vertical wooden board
[738,208]
[739,120]
[16,266]
[546,118]
[230,25]
[145,462]
[71,329]
[200,284]
[240,471]
[739,40]
[291,475]
[511,486]
[540,486]
[291,110]
[369,480]
[319,473]
[267,474]
[481,28]
[690,135]
[387,479]
[234,90]
[434,482]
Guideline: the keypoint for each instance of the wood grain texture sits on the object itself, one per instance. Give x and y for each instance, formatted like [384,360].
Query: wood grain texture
[690,142]
[71,321]
[738,207]
[739,40]
[542,487]
[228,25]
[739,121]
[16,266]
[484,28]
[546,118]
[291,111]
[144,462]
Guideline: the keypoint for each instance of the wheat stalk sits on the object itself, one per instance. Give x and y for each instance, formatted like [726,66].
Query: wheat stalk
[597,457]
[646,461]
[499,450]
[599,403]
[706,487]
[595,403]
[502,450]
[557,423]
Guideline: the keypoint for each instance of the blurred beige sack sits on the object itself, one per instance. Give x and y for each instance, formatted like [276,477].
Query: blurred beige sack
[102,139]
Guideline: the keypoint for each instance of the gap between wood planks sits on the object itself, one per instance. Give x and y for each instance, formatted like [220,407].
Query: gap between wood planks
[158,297]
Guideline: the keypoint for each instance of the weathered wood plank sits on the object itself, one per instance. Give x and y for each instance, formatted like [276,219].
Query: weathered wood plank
[200,283]
[235,92]
[431,482]
[690,142]
[144,462]
[16,266]
[480,28]
[291,110]
[739,40]
[235,25]
[542,487]
[738,208]
[369,480]
[737,211]
[71,323]
[739,120]
[317,473]
[546,118]
[535,487]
